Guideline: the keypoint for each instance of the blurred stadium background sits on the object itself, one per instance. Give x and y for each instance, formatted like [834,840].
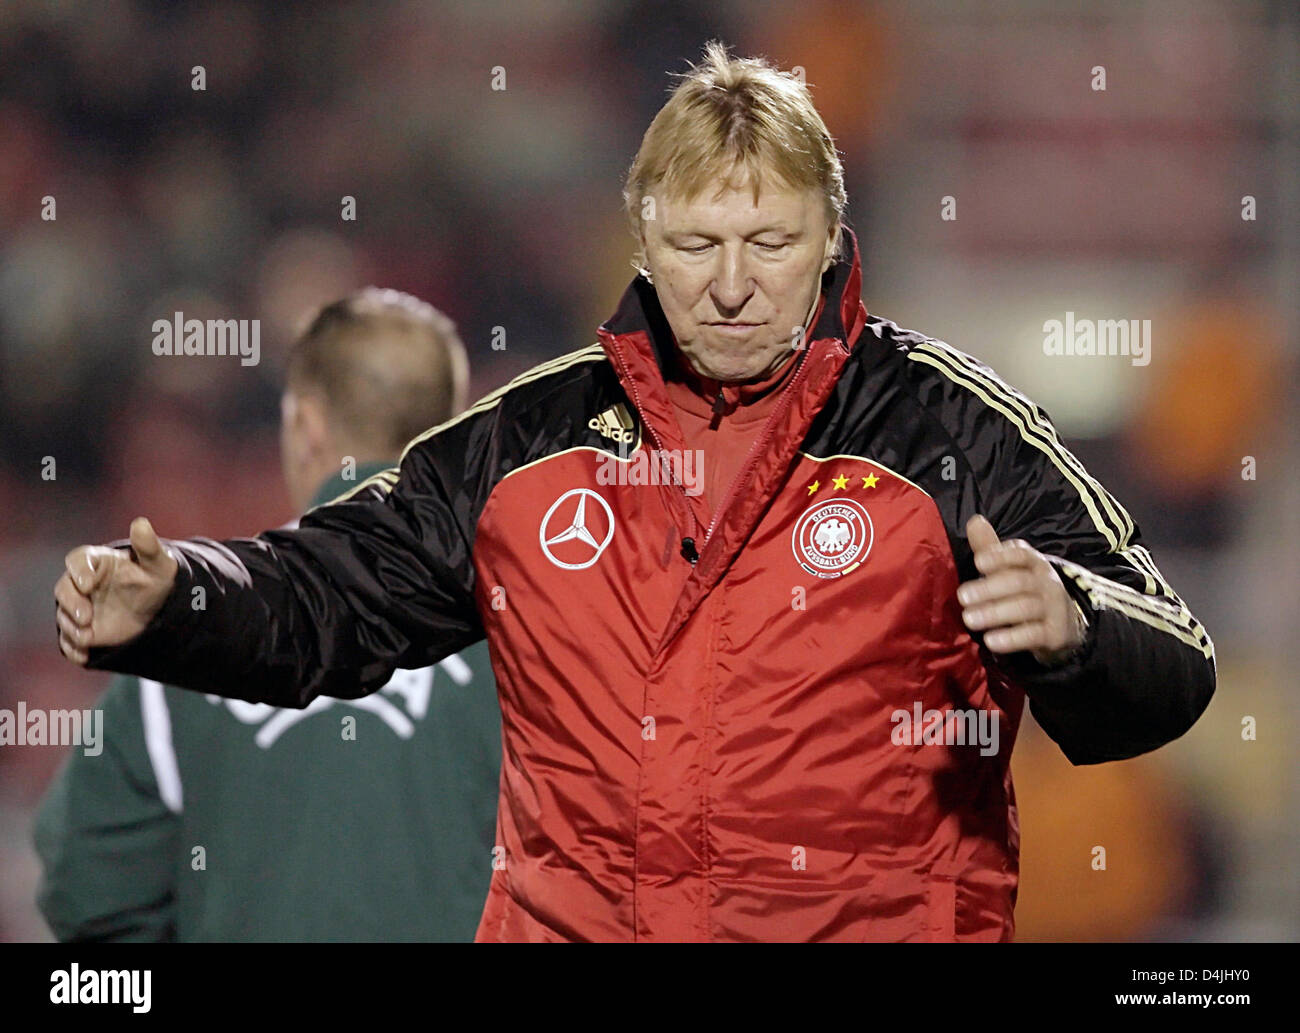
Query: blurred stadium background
[503,209]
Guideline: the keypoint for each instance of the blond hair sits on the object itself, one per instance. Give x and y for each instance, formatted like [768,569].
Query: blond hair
[731,119]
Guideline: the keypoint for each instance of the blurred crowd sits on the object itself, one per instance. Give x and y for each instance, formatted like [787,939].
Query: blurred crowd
[480,147]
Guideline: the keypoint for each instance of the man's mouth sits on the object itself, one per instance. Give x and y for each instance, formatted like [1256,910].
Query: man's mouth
[735,329]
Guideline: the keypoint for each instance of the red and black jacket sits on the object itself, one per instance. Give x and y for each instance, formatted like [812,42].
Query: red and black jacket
[701,711]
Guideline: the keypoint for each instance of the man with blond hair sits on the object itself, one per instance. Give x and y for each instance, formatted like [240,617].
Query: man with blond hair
[779,707]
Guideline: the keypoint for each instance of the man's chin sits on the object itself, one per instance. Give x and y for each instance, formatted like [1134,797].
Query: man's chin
[741,372]
[735,369]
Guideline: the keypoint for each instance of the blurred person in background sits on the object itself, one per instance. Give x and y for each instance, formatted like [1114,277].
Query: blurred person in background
[210,819]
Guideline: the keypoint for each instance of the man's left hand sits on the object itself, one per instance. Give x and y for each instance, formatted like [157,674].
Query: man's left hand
[1019,603]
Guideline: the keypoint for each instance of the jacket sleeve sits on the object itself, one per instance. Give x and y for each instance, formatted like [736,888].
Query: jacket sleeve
[1147,668]
[381,579]
[106,840]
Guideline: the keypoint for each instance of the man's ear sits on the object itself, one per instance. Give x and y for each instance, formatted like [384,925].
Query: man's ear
[311,422]
[642,258]
[828,256]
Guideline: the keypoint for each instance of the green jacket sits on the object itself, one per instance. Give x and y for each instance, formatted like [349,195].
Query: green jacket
[209,819]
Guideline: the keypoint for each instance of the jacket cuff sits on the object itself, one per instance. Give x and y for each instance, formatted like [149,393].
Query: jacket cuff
[175,620]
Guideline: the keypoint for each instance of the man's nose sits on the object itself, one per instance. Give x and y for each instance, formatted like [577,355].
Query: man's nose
[732,285]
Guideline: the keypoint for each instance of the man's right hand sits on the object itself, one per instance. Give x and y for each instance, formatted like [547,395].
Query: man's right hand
[107,596]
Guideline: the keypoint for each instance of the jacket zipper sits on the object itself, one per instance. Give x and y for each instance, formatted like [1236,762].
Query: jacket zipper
[759,446]
[689,551]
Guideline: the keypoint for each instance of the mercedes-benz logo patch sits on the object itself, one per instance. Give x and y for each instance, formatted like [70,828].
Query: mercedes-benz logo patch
[573,534]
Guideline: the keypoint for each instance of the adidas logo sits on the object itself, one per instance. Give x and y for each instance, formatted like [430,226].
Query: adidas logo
[614,423]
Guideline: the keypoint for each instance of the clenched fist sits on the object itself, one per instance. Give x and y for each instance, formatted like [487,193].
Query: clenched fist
[1020,602]
[107,596]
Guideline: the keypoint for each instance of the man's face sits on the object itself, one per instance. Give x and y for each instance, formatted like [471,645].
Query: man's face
[736,279]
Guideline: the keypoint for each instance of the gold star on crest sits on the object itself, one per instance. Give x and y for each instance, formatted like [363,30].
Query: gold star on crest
[841,483]
[814,486]
[869,481]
